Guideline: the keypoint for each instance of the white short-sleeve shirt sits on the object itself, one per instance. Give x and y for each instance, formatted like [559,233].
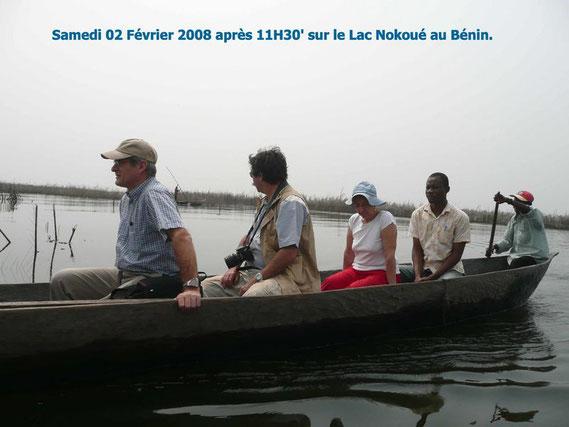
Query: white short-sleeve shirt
[367,244]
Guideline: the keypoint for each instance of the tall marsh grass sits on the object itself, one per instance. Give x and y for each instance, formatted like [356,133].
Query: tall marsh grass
[70,191]
[209,198]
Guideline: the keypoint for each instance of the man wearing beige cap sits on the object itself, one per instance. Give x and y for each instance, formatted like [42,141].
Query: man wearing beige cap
[152,241]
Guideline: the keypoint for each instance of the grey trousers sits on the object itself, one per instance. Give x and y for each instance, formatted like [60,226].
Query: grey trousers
[90,283]
[212,286]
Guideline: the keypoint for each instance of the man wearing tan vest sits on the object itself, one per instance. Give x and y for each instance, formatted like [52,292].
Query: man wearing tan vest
[277,256]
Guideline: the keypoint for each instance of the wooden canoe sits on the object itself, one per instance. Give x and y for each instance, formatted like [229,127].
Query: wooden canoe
[38,334]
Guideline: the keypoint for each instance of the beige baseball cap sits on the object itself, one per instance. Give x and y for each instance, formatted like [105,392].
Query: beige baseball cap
[132,147]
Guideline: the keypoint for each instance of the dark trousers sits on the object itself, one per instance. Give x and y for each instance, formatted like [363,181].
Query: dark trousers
[522,262]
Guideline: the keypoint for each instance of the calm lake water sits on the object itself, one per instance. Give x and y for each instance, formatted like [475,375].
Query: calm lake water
[509,367]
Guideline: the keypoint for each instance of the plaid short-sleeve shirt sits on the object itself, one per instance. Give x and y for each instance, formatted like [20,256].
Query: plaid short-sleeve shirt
[146,213]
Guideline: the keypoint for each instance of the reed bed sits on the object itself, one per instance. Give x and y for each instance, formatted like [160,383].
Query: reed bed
[558,222]
[9,196]
[216,199]
[210,198]
[69,191]
[337,204]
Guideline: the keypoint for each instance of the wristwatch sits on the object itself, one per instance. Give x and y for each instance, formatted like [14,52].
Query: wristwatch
[259,276]
[192,283]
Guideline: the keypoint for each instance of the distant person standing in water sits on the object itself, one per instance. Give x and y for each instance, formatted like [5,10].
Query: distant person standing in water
[440,232]
[152,241]
[525,232]
[369,257]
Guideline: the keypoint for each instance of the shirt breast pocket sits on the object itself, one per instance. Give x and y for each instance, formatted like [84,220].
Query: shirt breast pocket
[446,235]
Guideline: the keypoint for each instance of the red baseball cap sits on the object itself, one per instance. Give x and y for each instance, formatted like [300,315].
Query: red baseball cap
[523,196]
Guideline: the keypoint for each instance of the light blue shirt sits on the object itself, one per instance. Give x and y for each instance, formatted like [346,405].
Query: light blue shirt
[525,236]
[142,243]
[293,214]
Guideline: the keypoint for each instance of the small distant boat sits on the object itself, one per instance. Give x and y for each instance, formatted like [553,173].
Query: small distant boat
[178,191]
[40,336]
[186,203]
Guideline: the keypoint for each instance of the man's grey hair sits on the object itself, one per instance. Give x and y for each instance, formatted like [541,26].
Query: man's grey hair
[150,166]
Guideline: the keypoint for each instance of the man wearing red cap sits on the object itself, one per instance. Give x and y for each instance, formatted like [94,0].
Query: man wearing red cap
[525,232]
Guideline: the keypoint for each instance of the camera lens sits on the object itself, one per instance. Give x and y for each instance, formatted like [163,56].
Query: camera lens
[233,260]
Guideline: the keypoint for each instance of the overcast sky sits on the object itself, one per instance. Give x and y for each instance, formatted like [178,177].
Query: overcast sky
[493,115]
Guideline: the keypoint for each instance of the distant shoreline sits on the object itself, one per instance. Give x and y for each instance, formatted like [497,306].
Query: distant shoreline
[216,199]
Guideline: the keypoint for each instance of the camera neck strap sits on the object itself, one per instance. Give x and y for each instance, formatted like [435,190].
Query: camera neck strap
[262,212]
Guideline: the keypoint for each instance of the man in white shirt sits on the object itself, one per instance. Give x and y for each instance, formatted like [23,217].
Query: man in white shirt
[440,232]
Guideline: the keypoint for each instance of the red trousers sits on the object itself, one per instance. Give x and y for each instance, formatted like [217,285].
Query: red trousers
[351,278]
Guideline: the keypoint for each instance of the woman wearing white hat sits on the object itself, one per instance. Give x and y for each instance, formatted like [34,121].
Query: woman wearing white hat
[369,257]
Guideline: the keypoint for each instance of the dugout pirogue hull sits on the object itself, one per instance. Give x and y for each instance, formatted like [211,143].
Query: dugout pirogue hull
[39,335]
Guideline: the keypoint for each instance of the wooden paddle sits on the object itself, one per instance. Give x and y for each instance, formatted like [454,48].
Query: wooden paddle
[490,246]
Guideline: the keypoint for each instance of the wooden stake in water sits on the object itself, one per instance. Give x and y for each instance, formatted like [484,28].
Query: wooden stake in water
[6,237]
[8,241]
[54,223]
[35,246]
[72,233]
[52,258]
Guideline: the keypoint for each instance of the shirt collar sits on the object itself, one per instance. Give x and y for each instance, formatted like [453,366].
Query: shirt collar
[133,195]
[522,215]
[427,208]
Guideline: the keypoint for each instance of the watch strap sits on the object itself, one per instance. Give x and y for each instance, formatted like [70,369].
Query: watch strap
[192,283]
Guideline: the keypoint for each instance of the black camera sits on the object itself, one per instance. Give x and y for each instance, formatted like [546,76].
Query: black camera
[243,253]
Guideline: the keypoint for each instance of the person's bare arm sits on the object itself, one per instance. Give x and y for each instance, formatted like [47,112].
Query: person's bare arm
[418,258]
[185,255]
[348,252]
[231,276]
[448,263]
[523,207]
[389,239]
[282,259]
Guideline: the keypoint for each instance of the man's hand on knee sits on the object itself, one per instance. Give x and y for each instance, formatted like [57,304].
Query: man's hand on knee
[247,286]
[230,278]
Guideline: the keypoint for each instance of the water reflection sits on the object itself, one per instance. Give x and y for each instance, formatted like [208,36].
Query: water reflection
[32,256]
[7,241]
[406,372]
[401,380]
[516,417]
[283,412]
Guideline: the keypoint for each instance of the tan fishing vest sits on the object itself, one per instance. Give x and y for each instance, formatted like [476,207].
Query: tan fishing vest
[302,275]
